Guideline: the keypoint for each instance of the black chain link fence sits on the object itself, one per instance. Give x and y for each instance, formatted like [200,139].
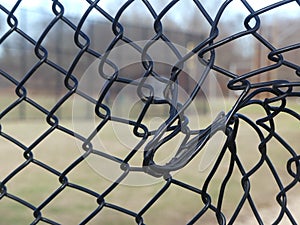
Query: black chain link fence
[258,88]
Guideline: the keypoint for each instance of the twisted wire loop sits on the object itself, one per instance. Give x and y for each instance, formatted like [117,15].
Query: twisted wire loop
[277,94]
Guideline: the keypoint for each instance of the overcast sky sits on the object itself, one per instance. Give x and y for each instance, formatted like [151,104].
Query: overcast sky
[79,6]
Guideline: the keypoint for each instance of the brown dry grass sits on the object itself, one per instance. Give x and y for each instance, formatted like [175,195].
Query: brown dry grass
[175,207]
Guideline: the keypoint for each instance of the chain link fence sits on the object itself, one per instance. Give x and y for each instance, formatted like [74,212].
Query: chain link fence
[127,113]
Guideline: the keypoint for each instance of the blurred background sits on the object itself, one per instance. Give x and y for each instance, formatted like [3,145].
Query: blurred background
[185,26]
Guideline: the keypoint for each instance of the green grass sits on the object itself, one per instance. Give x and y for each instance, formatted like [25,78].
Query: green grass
[176,206]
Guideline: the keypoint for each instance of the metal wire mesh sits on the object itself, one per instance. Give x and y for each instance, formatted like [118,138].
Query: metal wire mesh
[272,96]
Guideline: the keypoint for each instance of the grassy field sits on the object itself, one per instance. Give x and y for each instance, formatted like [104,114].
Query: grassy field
[176,206]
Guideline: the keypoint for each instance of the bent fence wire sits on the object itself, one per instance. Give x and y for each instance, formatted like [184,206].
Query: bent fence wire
[271,97]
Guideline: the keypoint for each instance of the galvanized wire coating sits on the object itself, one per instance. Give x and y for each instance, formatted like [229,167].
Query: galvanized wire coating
[277,93]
